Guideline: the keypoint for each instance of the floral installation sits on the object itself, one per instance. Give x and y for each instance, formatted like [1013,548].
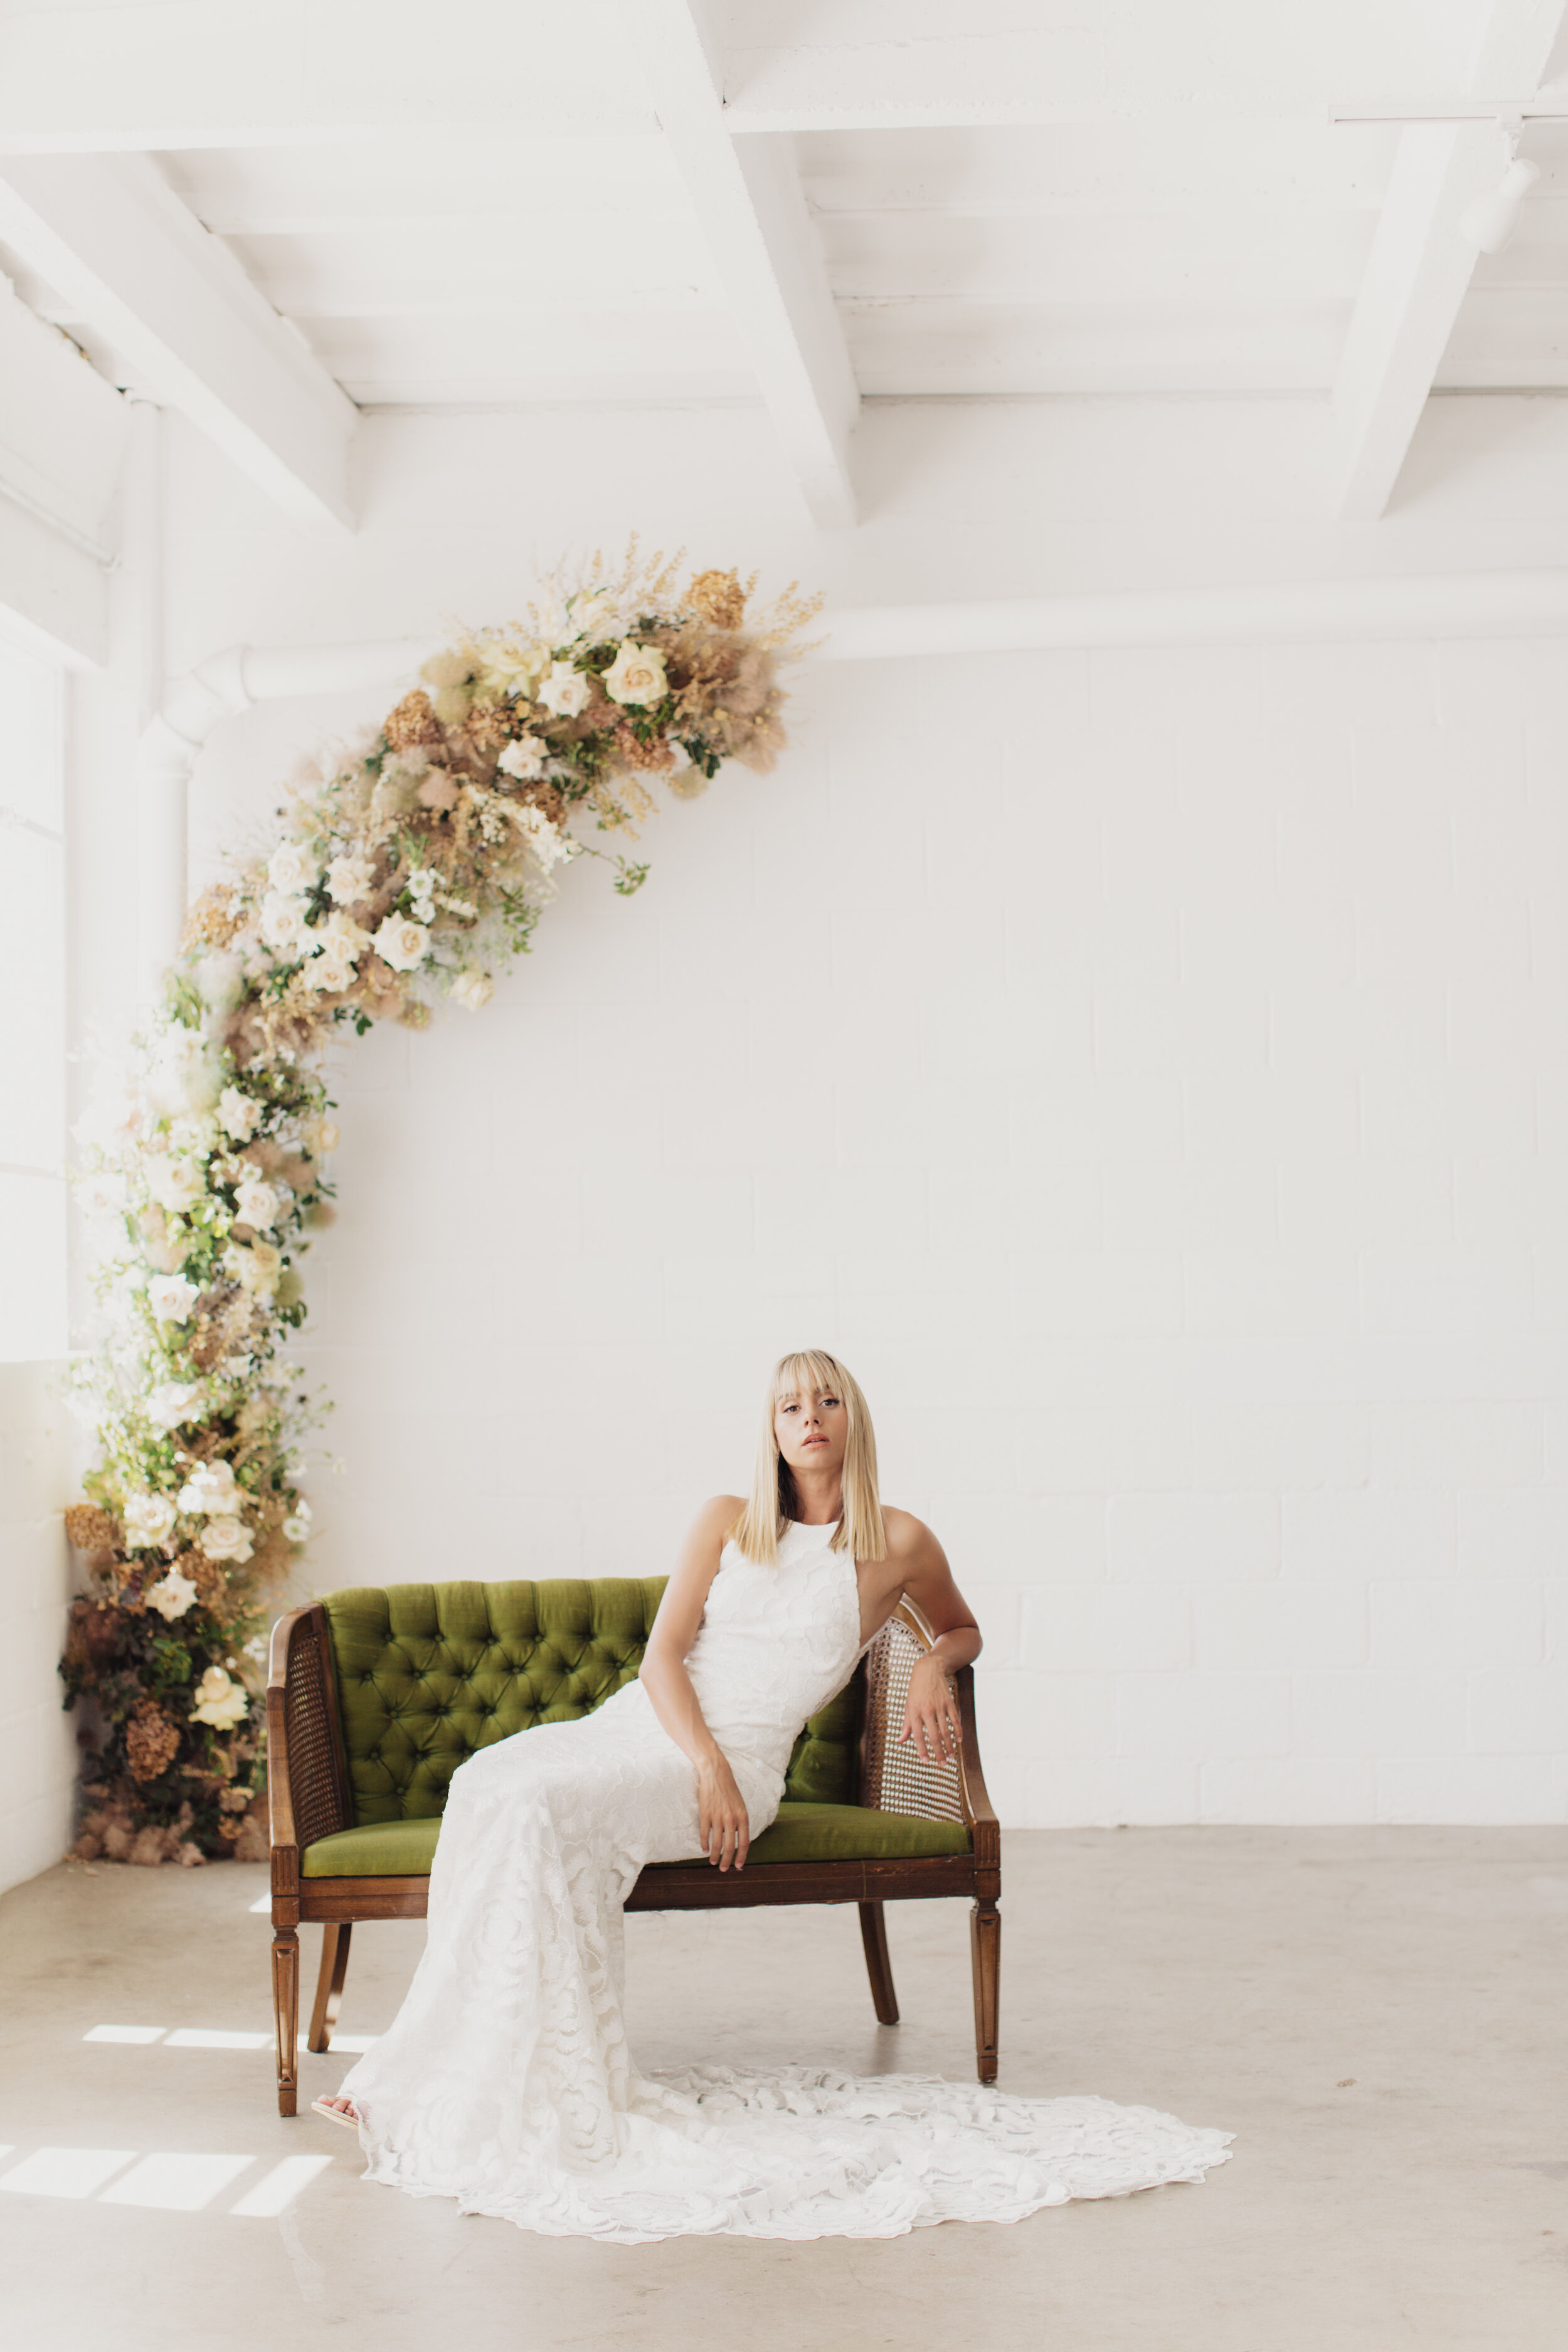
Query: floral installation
[405,871]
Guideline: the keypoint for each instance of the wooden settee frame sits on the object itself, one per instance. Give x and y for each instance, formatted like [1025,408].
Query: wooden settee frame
[310,1798]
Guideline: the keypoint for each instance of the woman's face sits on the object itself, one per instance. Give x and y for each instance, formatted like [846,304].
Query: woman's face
[812,1431]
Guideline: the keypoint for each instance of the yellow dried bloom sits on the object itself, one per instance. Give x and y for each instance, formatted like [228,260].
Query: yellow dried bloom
[719,597]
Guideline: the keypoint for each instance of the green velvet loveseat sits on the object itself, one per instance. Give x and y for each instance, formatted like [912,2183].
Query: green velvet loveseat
[376,1695]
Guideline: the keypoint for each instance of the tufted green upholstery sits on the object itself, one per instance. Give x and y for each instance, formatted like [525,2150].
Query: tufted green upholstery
[428,1673]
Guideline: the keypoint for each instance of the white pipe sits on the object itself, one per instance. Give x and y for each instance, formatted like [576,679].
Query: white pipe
[1458,605]
[221,687]
[1452,604]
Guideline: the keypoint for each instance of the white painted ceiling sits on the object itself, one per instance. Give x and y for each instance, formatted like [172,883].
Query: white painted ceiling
[476,204]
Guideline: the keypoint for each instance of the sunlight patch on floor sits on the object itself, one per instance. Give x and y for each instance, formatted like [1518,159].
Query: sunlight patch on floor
[213,2037]
[168,2181]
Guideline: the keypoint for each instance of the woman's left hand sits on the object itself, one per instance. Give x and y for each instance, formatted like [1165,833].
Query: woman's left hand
[930,1715]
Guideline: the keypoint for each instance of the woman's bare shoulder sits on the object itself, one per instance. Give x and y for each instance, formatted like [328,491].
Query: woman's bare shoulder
[909,1540]
[719,1514]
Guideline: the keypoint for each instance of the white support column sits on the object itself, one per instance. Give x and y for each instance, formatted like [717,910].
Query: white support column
[748,197]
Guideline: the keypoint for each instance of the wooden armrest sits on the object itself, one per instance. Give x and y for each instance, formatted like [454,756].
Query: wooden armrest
[307,1784]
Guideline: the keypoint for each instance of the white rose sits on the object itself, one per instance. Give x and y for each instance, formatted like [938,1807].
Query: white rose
[175,1184]
[104,1194]
[237,1114]
[173,1402]
[402,942]
[637,675]
[590,612]
[211,1489]
[324,1138]
[226,1538]
[172,1298]
[256,1203]
[283,923]
[473,990]
[254,1270]
[347,880]
[547,842]
[290,869]
[565,691]
[149,1519]
[342,936]
[297,1530]
[523,758]
[172,1596]
[220,1700]
[330,974]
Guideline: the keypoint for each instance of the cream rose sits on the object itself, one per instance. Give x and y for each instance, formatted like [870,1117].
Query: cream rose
[211,1490]
[347,880]
[238,1115]
[220,1700]
[523,758]
[257,1202]
[324,1138]
[566,690]
[173,1402]
[172,1298]
[637,675]
[290,869]
[329,975]
[473,990]
[402,942]
[283,923]
[149,1520]
[175,1184]
[254,1270]
[172,1596]
[226,1538]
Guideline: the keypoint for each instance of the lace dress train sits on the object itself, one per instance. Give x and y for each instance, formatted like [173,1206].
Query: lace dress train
[506,2083]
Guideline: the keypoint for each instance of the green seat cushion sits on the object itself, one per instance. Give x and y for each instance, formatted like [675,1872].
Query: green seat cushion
[802,1833]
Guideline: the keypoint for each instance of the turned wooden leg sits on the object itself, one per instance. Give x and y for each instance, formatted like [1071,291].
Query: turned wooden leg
[879,1966]
[286,2015]
[329,1983]
[986,1959]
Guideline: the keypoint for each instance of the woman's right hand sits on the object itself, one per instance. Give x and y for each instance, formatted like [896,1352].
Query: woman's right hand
[721,1814]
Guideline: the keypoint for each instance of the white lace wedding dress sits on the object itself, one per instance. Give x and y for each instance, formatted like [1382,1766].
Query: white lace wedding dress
[506,2083]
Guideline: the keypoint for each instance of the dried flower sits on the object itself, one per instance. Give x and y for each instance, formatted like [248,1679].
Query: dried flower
[719,597]
[152,1742]
[89,1529]
[412,722]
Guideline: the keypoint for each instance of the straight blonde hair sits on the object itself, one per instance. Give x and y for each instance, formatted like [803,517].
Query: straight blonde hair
[860,1531]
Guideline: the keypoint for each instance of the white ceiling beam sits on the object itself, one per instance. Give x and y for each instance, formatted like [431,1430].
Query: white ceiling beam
[131,261]
[1419,268]
[747,198]
[62,436]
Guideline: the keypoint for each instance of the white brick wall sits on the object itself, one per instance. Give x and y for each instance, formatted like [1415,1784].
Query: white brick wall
[1151,1072]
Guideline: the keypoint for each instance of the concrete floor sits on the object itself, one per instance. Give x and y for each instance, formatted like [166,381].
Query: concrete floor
[1378,2015]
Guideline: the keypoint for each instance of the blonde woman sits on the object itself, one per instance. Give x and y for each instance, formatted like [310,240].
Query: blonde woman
[505,2081]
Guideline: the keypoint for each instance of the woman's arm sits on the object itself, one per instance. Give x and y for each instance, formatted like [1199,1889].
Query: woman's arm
[721,1807]
[930,1716]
